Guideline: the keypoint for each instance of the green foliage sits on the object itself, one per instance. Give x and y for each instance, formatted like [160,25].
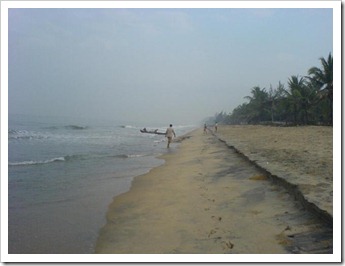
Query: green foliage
[307,100]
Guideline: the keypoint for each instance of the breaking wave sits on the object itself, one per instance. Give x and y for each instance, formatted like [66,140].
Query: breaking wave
[59,159]
[79,157]
[24,134]
[128,126]
[130,155]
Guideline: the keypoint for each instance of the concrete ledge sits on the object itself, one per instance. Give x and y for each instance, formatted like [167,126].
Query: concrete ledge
[292,188]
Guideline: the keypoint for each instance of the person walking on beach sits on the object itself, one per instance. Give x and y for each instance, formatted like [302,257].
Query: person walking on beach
[216,127]
[170,133]
[205,129]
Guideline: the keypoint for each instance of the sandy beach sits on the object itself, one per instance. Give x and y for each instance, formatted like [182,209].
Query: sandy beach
[302,156]
[208,199]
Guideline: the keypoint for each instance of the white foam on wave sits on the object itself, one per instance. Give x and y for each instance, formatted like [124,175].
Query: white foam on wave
[24,134]
[59,159]
[126,156]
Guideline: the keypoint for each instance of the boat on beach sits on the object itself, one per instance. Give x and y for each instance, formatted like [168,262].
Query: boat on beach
[144,130]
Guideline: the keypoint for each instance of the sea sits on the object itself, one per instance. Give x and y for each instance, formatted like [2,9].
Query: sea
[63,173]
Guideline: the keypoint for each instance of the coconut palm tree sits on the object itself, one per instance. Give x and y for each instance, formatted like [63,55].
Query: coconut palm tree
[323,79]
[257,103]
[273,98]
[299,97]
[240,114]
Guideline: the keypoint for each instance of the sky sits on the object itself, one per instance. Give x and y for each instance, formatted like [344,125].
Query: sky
[159,65]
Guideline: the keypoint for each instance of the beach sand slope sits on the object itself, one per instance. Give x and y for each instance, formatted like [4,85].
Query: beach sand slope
[207,199]
[303,156]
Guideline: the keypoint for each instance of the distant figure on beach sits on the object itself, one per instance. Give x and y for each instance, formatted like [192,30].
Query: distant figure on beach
[216,127]
[205,129]
[170,133]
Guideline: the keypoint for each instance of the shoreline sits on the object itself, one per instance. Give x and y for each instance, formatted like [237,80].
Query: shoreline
[168,209]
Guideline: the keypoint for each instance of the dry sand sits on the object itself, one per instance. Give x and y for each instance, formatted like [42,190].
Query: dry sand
[207,199]
[302,156]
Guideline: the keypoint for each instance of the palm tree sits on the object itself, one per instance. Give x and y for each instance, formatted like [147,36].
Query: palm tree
[240,114]
[323,78]
[273,98]
[257,103]
[299,97]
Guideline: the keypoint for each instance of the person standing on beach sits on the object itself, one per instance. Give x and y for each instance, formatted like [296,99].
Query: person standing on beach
[216,127]
[170,133]
[205,129]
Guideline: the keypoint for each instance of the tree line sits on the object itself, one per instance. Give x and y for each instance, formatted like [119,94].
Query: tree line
[306,100]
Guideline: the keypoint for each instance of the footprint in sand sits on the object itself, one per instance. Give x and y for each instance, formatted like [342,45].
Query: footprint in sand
[212,232]
[227,245]
[216,218]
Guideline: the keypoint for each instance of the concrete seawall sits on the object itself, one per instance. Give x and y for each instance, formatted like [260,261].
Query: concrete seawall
[291,187]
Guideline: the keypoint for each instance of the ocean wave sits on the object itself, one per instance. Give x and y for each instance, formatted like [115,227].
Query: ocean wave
[66,158]
[126,156]
[136,155]
[16,134]
[59,159]
[76,157]
[24,134]
[75,127]
[159,141]
[69,127]
[128,126]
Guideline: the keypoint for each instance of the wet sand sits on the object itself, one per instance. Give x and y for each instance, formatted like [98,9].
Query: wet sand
[207,199]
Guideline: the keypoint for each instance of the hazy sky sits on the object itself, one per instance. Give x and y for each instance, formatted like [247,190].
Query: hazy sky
[156,65]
